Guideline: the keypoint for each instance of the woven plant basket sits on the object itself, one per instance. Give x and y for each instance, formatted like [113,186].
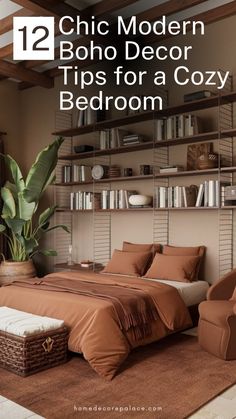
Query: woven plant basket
[27,355]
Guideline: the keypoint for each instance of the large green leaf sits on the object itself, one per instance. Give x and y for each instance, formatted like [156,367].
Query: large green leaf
[16,225]
[15,172]
[65,228]
[26,209]
[12,188]
[50,181]
[30,245]
[9,207]
[49,252]
[41,171]
[46,215]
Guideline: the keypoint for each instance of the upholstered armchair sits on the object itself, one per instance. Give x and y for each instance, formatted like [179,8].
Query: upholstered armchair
[217,322]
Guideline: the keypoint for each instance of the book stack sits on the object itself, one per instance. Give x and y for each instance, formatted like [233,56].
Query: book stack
[171,197]
[209,194]
[171,169]
[66,174]
[76,173]
[116,199]
[177,126]
[81,173]
[82,200]
[200,94]
[111,138]
[90,116]
[131,139]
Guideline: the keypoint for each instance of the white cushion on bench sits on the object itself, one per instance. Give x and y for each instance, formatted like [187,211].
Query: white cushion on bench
[21,323]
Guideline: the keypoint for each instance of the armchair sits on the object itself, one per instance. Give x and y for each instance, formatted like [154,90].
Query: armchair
[217,322]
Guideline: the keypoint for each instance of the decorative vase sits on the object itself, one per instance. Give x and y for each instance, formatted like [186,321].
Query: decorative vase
[13,271]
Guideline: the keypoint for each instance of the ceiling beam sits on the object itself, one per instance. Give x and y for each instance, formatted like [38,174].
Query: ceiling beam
[18,72]
[82,41]
[49,7]
[55,72]
[168,8]
[107,6]
[208,17]
[6,24]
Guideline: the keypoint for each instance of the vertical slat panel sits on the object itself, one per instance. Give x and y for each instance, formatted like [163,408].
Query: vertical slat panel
[63,240]
[101,221]
[160,218]
[226,159]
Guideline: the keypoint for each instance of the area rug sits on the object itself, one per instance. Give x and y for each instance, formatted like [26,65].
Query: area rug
[166,380]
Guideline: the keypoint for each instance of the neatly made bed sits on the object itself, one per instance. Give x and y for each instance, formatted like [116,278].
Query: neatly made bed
[95,327]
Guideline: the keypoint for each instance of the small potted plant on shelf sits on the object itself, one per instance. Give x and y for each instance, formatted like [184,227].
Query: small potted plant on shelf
[22,224]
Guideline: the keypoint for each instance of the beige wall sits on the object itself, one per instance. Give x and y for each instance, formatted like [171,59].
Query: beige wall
[9,118]
[33,113]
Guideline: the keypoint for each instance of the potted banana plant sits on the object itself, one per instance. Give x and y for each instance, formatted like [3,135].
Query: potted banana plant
[22,224]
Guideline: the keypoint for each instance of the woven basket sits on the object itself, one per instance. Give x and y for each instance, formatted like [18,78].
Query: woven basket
[27,355]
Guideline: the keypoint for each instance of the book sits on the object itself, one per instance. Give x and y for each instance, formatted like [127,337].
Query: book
[171,169]
[200,195]
[200,94]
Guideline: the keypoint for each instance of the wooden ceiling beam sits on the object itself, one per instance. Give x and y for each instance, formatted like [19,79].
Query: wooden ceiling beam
[208,17]
[18,72]
[82,41]
[6,24]
[107,6]
[49,7]
[55,72]
[168,8]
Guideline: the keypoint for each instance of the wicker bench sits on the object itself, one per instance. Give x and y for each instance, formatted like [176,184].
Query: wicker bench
[30,343]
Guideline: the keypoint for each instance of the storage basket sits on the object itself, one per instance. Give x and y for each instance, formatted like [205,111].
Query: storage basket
[27,355]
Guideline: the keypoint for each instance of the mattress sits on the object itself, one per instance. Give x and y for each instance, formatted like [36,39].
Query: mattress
[191,292]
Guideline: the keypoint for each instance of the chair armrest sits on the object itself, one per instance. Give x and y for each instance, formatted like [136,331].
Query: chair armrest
[224,288]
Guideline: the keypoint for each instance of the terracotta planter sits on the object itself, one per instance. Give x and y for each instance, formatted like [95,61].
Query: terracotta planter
[11,271]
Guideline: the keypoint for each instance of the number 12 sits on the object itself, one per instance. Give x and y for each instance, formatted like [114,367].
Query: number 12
[35,46]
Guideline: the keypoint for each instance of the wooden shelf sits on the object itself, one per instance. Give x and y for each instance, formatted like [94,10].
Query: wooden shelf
[141,209]
[149,115]
[118,150]
[184,173]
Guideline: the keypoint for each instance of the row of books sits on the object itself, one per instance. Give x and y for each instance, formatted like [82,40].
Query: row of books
[82,200]
[114,199]
[208,195]
[171,197]
[76,173]
[177,126]
[90,116]
[116,137]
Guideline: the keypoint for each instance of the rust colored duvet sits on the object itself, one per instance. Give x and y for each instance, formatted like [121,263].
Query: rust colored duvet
[94,327]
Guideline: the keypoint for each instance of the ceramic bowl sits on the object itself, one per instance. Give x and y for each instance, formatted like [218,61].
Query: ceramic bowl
[138,200]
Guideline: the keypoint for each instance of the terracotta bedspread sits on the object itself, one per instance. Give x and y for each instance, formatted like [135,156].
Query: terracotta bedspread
[94,326]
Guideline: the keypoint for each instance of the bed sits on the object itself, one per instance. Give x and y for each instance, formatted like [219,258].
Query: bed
[96,330]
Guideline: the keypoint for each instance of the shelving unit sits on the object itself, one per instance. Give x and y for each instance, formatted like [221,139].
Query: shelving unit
[223,136]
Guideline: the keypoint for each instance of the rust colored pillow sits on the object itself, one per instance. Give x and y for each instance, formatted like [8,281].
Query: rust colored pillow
[128,263]
[175,268]
[186,251]
[137,247]
[181,251]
